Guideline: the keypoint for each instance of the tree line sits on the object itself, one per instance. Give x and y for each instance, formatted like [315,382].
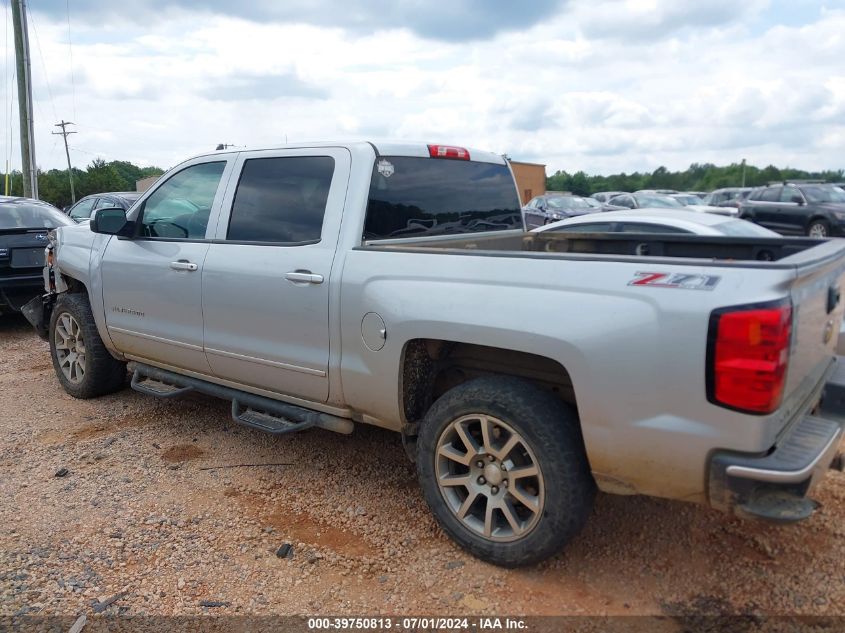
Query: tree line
[120,175]
[100,176]
[699,177]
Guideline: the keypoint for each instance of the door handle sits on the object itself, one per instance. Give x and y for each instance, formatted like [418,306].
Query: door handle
[184,264]
[304,277]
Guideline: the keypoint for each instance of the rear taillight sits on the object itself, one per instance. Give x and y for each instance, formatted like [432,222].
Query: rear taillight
[448,151]
[747,356]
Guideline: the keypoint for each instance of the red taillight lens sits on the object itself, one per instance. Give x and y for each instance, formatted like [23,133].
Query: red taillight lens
[448,151]
[748,357]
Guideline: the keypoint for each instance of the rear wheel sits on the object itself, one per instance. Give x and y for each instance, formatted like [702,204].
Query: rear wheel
[82,363]
[503,468]
[819,229]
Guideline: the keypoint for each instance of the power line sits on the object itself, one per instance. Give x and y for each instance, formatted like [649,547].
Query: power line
[43,63]
[70,55]
[65,134]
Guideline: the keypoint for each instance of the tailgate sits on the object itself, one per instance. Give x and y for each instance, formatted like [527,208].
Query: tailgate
[817,303]
[21,249]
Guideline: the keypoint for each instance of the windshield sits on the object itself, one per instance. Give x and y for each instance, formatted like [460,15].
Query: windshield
[567,202]
[824,194]
[742,228]
[657,201]
[31,215]
[412,196]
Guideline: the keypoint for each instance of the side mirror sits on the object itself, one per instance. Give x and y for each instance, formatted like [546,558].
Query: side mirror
[110,221]
[798,200]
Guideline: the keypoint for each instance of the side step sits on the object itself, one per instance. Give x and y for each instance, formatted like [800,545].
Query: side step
[258,412]
[267,422]
[157,388]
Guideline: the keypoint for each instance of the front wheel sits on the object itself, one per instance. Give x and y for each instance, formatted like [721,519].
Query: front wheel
[819,229]
[83,365]
[503,469]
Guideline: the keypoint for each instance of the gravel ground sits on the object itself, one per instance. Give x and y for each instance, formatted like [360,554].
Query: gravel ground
[145,513]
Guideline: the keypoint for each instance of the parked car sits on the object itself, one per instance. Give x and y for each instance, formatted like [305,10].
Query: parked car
[82,210]
[601,206]
[646,200]
[523,372]
[605,196]
[694,203]
[24,225]
[727,197]
[686,199]
[664,192]
[547,208]
[817,210]
[660,221]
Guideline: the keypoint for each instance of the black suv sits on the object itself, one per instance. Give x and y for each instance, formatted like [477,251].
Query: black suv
[817,210]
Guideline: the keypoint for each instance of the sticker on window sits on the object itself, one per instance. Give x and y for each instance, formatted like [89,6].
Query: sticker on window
[385,168]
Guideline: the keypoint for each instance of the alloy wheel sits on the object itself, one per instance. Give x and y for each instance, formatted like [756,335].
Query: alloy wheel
[70,348]
[489,478]
[818,230]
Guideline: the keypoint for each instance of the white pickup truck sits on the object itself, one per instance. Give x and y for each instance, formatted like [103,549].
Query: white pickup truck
[329,285]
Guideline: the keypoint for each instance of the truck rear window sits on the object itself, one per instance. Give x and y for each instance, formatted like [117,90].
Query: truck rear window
[414,197]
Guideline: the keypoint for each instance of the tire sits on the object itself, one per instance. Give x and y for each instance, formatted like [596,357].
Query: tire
[548,437]
[83,365]
[819,229]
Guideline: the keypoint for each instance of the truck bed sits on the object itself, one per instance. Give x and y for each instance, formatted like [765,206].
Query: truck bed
[612,245]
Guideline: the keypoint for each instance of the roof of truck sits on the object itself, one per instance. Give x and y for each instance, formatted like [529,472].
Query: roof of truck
[383,147]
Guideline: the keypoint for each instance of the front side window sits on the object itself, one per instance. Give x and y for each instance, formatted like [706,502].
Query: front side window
[415,197]
[180,208]
[281,200]
[82,209]
[772,194]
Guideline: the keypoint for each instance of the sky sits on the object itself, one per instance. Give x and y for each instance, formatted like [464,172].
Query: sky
[600,86]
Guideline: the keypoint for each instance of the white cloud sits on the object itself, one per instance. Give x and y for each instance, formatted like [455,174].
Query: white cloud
[683,83]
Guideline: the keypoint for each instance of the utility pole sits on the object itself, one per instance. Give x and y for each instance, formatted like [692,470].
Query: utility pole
[30,171]
[743,172]
[65,134]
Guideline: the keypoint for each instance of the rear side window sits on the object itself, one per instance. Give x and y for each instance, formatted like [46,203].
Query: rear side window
[281,200]
[645,227]
[790,194]
[414,197]
[595,227]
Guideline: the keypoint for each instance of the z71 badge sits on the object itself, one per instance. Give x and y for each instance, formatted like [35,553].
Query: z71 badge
[675,280]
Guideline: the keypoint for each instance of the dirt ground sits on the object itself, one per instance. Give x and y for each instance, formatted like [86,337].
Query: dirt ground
[147,514]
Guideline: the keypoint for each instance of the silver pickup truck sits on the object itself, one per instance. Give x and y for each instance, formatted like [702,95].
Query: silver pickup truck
[329,285]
